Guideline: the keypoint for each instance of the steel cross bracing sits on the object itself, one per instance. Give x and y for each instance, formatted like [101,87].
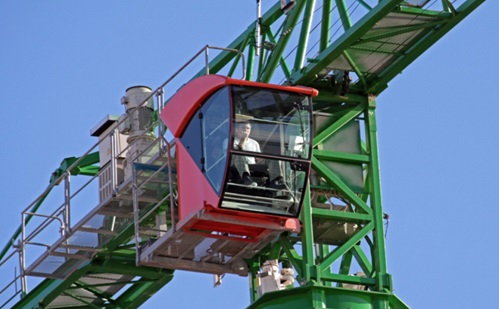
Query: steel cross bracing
[349,50]
[373,40]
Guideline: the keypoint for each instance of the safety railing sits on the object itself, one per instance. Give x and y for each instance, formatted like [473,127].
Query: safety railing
[145,175]
[13,288]
[50,225]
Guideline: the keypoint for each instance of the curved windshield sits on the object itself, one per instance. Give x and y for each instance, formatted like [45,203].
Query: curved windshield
[280,121]
[270,151]
[207,135]
[215,127]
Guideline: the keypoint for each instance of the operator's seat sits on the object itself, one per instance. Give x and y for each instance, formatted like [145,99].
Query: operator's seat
[259,173]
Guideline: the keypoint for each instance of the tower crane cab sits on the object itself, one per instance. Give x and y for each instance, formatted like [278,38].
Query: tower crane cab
[243,153]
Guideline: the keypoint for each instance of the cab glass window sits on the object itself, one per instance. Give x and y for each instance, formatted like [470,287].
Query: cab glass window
[280,121]
[215,124]
[269,151]
[206,137]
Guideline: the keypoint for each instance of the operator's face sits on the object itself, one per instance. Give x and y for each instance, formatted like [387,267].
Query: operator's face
[244,131]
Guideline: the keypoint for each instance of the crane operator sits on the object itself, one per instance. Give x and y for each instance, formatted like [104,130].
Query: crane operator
[242,141]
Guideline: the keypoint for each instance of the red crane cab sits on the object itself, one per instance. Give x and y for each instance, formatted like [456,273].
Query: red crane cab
[243,153]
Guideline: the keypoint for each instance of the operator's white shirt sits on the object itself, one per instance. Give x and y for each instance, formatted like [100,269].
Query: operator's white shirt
[249,145]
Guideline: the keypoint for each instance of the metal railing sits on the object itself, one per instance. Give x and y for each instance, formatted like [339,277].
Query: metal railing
[62,215]
[18,280]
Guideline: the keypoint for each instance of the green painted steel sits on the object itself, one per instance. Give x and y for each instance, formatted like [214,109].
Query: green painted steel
[339,256]
[136,291]
[320,296]
[337,270]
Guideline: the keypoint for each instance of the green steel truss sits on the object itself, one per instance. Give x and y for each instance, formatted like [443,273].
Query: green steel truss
[100,279]
[349,50]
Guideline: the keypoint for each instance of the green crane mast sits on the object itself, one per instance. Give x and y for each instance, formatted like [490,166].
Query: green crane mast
[347,49]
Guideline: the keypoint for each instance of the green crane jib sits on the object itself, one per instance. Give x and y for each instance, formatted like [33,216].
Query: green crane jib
[347,49]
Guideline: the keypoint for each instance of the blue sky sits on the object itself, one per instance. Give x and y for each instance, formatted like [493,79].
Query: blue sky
[64,65]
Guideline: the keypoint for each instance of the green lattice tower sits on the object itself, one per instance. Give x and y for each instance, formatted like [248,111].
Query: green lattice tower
[349,51]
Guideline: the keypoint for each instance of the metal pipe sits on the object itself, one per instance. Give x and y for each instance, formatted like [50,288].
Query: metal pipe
[258,41]
[67,201]
[114,158]
[160,97]
[22,266]
[207,60]
[170,184]
[44,224]
[234,51]
[135,203]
